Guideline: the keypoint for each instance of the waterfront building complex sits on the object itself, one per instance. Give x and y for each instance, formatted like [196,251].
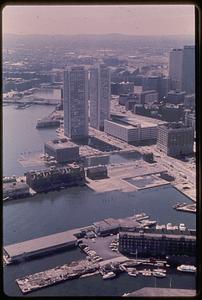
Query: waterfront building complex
[100,92]
[54,178]
[156,244]
[175,139]
[75,102]
[62,150]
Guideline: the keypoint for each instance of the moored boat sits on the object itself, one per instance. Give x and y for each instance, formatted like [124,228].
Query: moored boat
[187,268]
[109,275]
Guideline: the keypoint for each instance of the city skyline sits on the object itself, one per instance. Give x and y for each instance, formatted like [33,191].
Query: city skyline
[97,19]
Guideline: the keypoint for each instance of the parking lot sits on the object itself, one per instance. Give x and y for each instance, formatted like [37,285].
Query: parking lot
[101,246]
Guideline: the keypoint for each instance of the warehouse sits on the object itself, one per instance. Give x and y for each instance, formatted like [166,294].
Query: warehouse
[40,246]
[157,244]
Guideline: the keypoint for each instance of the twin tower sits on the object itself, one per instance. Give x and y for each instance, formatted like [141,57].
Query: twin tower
[84,88]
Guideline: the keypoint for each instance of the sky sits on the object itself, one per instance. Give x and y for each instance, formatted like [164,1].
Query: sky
[99,19]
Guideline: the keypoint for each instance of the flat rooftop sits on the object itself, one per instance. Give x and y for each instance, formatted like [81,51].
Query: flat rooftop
[176,126]
[145,122]
[159,235]
[40,244]
[60,144]
[131,122]
[162,292]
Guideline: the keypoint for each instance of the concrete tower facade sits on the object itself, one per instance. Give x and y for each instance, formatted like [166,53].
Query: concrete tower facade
[100,92]
[75,104]
[188,70]
[175,69]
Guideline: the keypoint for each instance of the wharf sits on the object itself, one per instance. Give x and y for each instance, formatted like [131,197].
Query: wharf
[129,177]
[161,292]
[190,193]
[76,269]
[39,246]
[56,275]
[57,241]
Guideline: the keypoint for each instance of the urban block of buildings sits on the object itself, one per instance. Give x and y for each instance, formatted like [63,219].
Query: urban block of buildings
[175,139]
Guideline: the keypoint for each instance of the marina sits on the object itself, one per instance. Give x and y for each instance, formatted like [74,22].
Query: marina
[84,268]
[62,240]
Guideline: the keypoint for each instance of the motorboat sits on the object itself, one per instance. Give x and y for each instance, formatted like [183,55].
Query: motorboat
[182,227]
[187,268]
[159,270]
[159,274]
[133,272]
[109,275]
[146,272]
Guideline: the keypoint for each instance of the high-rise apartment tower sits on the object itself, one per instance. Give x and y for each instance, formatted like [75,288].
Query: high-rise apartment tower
[100,92]
[175,69]
[188,70]
[75,102]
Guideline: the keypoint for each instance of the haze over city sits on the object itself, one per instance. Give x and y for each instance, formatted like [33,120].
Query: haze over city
[97,19]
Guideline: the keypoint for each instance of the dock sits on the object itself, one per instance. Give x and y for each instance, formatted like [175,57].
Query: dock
[191,208]
[59,241]
[56,275]
[39,246]
[161,292]
[73,270]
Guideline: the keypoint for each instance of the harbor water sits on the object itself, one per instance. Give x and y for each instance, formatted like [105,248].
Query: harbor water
[59,211]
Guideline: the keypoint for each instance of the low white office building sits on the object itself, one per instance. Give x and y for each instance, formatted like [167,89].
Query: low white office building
[130,131]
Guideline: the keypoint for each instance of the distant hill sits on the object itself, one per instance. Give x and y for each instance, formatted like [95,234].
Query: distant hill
[88,41]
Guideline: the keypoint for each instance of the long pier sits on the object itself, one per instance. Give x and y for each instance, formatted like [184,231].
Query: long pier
[76,269]
[56,275]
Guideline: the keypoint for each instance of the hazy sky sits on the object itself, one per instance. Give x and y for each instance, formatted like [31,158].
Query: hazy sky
[127,19]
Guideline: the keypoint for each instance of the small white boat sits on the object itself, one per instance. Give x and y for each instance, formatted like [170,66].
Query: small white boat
[159,274]
[133,273]
[109,275]
[159,270]
[187,268]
